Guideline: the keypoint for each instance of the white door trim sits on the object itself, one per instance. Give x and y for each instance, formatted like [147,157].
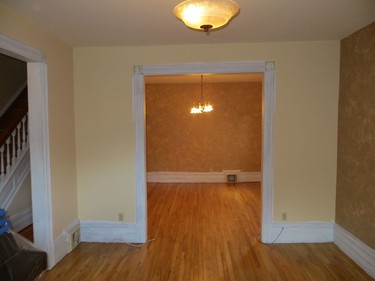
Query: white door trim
[39,140]
[267,68]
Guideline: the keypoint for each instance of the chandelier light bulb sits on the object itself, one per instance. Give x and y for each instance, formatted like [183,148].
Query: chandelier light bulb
[207,108]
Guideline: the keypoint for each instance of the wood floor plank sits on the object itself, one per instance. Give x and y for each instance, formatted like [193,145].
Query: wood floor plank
[206,232]
[28,233]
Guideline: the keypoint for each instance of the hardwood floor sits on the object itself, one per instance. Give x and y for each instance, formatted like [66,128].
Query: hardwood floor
[206,232]
[28,233]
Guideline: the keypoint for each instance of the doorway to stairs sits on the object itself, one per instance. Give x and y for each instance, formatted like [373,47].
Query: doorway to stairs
[39,140]
[15,185]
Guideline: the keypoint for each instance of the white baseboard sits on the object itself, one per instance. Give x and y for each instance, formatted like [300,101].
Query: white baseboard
[200,177]
[358,251]
[21,220]
[62,241]
[109,232]
[302,232]
[61,247]
[288,232]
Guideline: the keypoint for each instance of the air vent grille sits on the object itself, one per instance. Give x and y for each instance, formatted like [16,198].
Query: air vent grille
[231,178]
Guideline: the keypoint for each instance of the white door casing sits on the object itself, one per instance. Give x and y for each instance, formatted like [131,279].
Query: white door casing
[39,140]
[267,68]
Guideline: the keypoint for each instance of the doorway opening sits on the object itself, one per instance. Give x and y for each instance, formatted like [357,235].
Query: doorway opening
[39,140]
[267,68]
[191,156]
[15,190]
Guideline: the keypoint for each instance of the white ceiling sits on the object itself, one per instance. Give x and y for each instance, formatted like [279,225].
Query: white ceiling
[151,22]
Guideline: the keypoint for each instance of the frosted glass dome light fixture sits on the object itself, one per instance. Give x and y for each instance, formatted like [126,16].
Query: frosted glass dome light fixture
[206,14]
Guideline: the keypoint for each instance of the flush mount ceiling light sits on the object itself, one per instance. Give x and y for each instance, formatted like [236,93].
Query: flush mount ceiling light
[206,14]
[201,106]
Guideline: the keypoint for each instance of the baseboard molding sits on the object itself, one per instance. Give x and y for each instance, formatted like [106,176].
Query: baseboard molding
[61,247]
[61,243]
[109,232]
[358,251]
[21,220]
[302,232]
[200,177]
[285,232]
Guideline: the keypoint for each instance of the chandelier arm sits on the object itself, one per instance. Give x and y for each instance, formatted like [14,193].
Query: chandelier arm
[201,88]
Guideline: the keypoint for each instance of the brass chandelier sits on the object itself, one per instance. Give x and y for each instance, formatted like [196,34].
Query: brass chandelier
[201,106]
[206,14]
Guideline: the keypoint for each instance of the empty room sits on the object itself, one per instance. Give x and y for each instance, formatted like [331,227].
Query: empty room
[230,142]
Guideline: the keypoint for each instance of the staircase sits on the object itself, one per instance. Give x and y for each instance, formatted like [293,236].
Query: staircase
[14,149]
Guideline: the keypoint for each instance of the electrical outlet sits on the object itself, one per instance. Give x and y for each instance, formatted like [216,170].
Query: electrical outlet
[284,216]
[120,216]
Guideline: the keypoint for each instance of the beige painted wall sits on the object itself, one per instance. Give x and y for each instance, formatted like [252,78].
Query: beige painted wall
[61,112]
[305,128]
[355,208]
[228,138]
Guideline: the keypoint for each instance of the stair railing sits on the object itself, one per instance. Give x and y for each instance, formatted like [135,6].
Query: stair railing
[12,149]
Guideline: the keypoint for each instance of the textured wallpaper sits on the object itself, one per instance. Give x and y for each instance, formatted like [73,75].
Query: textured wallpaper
[228,138]
[355,197]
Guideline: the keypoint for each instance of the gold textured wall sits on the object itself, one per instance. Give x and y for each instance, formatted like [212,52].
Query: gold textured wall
[355,202]
[228,138]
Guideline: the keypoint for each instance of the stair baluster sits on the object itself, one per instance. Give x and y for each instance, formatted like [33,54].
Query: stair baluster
[19,139]
[13,147]
[24,140]
[13,152]
[2,166]
[7,143]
